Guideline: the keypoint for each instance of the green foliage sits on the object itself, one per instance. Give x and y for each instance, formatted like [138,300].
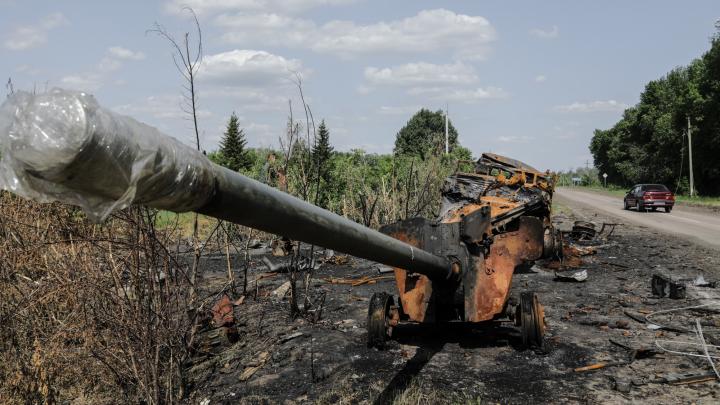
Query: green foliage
[424,135]
[588,177]
[322,164]
[232,153]
[649,143]
[367,188]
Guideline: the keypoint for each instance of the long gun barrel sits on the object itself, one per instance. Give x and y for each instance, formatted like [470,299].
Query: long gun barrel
[62,146]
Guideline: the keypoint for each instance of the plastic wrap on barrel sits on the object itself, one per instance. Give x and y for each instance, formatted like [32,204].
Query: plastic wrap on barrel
[62,146]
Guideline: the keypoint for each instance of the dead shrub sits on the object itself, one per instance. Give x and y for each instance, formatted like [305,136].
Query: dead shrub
[89,311]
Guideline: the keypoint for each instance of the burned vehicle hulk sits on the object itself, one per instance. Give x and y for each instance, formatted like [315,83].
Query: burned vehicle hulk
[63,146]
[492,222]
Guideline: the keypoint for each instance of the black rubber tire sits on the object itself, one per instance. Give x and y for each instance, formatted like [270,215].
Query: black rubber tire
[639,207]
[668,209]
[653,209]
[625,205]
[532,321]
[378,319]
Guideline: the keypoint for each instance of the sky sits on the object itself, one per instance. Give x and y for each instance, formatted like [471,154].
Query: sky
[527,79]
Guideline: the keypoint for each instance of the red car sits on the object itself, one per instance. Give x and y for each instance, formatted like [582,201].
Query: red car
[649,196]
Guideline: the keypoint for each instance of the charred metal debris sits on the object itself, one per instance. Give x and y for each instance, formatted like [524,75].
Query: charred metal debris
[492,222]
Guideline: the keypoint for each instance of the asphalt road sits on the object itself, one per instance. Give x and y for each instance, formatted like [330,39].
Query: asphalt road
[694,224]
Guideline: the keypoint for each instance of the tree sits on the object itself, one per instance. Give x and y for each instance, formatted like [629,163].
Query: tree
[425,134]
[232,147]
[321,153]
[650,143]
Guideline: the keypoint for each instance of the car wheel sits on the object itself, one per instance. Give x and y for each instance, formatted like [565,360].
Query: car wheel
[668,209]
[654,209]
[639,207]
[625,204]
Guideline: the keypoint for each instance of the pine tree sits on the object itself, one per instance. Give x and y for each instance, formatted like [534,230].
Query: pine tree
[232,147]
[321,153]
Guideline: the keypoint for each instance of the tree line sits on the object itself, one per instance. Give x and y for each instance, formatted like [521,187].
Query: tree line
[650,142]
[368,188]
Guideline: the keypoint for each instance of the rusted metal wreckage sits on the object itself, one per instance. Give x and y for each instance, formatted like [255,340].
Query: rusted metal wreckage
[63,146]
[491,222]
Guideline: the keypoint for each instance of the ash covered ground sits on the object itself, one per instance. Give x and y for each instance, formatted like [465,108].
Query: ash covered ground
[602,320]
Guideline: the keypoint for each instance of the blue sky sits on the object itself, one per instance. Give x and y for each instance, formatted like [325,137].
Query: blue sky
[528,79]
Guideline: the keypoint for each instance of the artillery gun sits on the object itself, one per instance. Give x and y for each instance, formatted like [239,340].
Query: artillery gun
[63,146]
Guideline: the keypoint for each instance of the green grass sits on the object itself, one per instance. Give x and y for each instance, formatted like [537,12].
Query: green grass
[166,220]
[685,199]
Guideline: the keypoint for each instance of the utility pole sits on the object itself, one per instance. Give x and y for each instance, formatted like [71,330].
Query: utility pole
[447,136]
[692,180]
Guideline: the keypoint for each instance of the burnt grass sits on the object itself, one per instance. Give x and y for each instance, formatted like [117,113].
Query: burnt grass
[458,363]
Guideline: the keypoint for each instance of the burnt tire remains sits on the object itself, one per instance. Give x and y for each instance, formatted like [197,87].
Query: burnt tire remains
[378,323]
[532,320]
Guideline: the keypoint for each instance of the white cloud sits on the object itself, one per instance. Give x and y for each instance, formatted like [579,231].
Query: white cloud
[461,95]
[93,80]
[466,37]
[451,82]
[268,29]
[398,110]
[540,78]
[121,53]
[248,68]
[551,33]
[422,73]
[592,106]
[251,99]
[31,36]
[159,107]
[85,82]
[214,6]
[115,56]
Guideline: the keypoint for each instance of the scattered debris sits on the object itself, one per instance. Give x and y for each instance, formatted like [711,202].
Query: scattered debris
[575,276]
[358,281]
[382,269]
[598,366]
[583,230]
[680,379]
[303,264]
[700,282]
[338,260]
[280,292]
[252,367]
[663,286]
[636,317]
[222,312]
[290,337]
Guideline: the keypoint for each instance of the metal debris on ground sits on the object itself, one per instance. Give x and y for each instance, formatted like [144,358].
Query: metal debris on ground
[222,312]
[338,260]
[583,230]
[357,281]
[576,276]
[663,286]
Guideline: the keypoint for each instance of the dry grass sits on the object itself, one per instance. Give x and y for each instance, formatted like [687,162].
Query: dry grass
[98,312]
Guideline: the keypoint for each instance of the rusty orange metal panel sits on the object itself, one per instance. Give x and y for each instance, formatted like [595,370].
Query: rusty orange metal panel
[493,276]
